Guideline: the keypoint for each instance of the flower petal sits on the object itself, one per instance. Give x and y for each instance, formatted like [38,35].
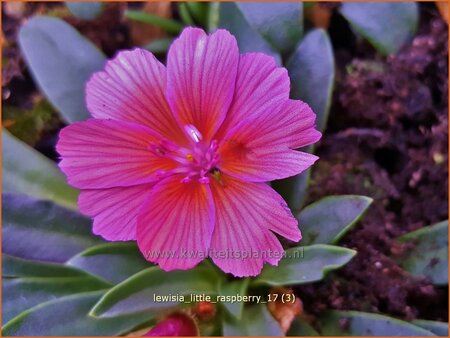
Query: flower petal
[100,154]
[178,324]
[265,165]
[260,86]
[201,73]
[114,210]
[258,148]
[132,88]
[176,224]
[246,215]
[291,124]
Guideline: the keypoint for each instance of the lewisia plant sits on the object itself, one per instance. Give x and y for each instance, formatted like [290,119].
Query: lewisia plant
[178,157]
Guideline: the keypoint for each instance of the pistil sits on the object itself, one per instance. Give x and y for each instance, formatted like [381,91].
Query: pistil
[197,162]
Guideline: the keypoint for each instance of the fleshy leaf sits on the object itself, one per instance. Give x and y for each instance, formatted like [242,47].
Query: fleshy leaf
[213,17]
[19,267]
[230,288]
[327,220]
[61,61]
[113,262]
[438,328]
[159,46]
[300,328]
[429,256]
[313,60]
[353,323]
[311,69]
[247,38]
[170,26]
[199,11]
[67,316]
[42,230]
[256,321]
[305,265]
[20,294]
[85,10]
[138,292]
[185,15]
[26,171]
[280,23]
[386,25]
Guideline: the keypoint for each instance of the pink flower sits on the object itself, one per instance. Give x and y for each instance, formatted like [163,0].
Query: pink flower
[177,324]
[177,157]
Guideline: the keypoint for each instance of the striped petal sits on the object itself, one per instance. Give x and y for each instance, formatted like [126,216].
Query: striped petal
[201,74]
[100,154]
[259,148]
[114,210]
[246,215]
[260,86]
[132,88]
[176,223]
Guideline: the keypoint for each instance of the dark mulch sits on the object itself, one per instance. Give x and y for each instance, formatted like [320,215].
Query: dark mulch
[387,138]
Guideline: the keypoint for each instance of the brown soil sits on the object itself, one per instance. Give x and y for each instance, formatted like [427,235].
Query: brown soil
[387,138]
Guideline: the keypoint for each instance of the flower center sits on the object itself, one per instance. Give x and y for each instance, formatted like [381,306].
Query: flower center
[198,161]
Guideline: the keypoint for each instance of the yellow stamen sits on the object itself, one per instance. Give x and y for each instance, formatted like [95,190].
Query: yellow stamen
[216,175]
[189,157]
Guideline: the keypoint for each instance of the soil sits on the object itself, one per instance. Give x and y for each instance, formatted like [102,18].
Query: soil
[387,138]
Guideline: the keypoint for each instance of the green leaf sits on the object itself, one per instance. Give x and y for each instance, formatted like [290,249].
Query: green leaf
[85,10]
[429,256]
[41,230]
[386,25]
[438,328]
[213,16]
[300,328]
[353,323]
[61,61]
[231,288]
[184,14]
[311,69]
[256,321]
[327,220]
[280,23]
[27,171]
[247,38]
[113,262]
[18,267]
[305,265]
[67,316]
[199,11]
[138,292]
[20,294]
[159,46]
[170,26]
